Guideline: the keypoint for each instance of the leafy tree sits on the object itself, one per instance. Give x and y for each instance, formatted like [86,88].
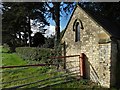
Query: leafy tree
[49,42]
[16,18]
[34,12]
[38,39]
[55,10]
[110,11]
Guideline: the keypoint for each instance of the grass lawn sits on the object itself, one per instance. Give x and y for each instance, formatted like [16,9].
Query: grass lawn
[19,76]
[37,76]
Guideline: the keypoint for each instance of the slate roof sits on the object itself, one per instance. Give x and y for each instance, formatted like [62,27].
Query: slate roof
[109,26]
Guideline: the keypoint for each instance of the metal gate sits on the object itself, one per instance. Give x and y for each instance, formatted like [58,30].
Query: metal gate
[54,76]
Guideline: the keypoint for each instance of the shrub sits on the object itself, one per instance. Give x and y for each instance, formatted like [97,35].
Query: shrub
[33,53]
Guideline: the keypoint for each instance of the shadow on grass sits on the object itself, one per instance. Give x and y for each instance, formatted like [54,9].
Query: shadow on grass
[55,75]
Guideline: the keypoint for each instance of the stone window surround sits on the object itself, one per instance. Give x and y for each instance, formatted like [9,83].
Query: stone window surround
[75,26]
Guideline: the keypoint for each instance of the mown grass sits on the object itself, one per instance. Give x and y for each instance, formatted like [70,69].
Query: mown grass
[21,76]
[10,59]
[81,84]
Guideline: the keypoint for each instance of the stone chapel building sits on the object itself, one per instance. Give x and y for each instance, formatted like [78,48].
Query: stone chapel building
[99,40]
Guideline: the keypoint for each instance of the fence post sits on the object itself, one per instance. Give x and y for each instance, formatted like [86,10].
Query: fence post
[64,51]
[82,65]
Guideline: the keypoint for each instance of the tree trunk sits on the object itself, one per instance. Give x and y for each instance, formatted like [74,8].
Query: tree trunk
[57,30]
[25,38]
[20,37]
[29,31]
[57,22]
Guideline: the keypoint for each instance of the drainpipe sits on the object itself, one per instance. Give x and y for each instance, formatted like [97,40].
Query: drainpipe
[117,68]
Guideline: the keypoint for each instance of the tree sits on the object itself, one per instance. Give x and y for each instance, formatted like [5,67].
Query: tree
[49,42]
[55,10]
[110,11]
[38,39]
[34,11]
[16,18]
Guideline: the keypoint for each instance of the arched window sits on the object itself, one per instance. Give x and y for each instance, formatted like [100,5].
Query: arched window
[77,32]
[77,26]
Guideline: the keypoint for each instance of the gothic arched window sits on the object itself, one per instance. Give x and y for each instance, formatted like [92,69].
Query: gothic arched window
[77,32]
[77,26]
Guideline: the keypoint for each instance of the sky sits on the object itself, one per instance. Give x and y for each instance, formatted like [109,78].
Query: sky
[63,22]
[1,7]
[51,29]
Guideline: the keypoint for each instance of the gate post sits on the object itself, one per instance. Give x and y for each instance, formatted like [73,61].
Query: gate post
[64,51]
[82,65]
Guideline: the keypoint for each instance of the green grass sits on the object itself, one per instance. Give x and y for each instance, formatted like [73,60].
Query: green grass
[36,74]
[82,84]
[11,58]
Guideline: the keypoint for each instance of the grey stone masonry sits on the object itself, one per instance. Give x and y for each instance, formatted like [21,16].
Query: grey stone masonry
[96,44]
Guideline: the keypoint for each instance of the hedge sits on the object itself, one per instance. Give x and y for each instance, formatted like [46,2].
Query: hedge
[33,53]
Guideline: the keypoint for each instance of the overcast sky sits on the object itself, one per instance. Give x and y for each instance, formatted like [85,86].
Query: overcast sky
[50,30]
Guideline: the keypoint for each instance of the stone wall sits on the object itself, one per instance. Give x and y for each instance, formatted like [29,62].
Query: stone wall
[94,43]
